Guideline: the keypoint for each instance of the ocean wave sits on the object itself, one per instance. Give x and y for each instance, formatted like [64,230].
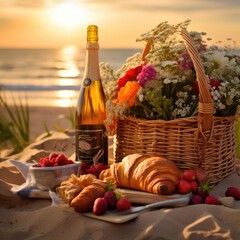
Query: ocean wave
[38,88]
[9,67]
[32,76]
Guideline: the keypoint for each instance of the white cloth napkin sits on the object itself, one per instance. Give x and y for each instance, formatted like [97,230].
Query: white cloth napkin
[27,189]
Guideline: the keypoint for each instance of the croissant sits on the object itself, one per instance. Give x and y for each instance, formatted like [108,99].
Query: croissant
[84,201]
[143,172]
[71,187]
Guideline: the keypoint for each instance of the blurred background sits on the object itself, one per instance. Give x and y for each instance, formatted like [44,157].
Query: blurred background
[42,41]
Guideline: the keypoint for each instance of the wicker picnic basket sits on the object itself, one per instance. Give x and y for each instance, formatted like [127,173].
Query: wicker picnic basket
[204,140]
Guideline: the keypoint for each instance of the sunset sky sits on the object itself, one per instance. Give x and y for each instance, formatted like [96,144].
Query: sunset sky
[57,23]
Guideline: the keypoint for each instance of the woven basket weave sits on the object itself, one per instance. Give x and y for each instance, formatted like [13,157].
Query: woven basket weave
[204,140]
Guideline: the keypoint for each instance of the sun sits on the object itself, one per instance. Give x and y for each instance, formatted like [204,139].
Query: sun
[68,14]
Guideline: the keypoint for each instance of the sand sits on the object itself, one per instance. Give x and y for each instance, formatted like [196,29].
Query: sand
[25,218]
[54,118]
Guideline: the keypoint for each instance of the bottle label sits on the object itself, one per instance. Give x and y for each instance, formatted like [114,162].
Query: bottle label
[87,82]
[91,145]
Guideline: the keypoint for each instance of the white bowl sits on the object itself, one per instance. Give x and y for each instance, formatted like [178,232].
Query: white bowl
[46,178]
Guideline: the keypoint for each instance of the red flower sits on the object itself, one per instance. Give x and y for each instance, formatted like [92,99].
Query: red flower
[213,83]
[131,75]
[195,87]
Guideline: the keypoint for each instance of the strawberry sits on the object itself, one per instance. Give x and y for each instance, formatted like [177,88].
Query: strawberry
[111,199]
[100,206]
[194,186]
[196,199]
[189,175]
[123,204]
[183,187]
[201,175]
[210,199]
[233,192]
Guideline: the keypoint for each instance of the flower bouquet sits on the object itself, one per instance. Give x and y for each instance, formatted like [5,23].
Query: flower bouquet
[177,99]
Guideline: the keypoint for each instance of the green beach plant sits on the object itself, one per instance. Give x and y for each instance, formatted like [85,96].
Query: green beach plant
[70,116]
[14,124]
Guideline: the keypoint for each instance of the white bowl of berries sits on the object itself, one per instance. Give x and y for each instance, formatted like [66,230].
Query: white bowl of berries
[52,170]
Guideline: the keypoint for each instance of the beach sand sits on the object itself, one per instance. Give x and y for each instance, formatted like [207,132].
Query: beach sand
[34,218]
[55,118]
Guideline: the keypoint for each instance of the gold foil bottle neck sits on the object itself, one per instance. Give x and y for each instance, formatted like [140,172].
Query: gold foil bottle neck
[92,34]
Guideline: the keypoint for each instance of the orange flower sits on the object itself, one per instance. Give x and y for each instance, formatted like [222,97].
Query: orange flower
[128,93]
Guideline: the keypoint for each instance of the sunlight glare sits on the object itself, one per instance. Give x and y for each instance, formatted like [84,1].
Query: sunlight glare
[66,98]
[68,56]
[63,103]
[66,82]
[66,94]
[69,14]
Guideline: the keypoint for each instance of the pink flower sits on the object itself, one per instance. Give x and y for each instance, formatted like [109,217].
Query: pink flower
[185,63]
[148,73]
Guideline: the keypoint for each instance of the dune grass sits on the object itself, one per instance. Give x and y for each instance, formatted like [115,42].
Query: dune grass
[14,124]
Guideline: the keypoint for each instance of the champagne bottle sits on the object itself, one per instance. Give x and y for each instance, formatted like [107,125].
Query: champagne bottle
[90,132]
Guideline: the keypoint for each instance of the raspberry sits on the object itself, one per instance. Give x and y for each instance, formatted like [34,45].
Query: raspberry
[61,160]
[82,172]
[84,166]
[53,155]
[69,161]
[54,159]
[99,167]
[43,160]
[92,171]
[46,163]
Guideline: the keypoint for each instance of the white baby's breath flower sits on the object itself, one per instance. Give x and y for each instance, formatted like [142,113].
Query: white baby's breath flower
[174,91]
[221,106]
[174,80]
[166,81]
[166,63]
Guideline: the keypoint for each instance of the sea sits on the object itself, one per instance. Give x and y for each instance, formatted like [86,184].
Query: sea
[49,77]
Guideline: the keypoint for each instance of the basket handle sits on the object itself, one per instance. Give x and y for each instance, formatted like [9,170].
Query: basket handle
[205,105]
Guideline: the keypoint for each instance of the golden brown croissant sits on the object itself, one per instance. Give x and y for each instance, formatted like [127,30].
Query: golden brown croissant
[71,187]
[84,201]
[142,172]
